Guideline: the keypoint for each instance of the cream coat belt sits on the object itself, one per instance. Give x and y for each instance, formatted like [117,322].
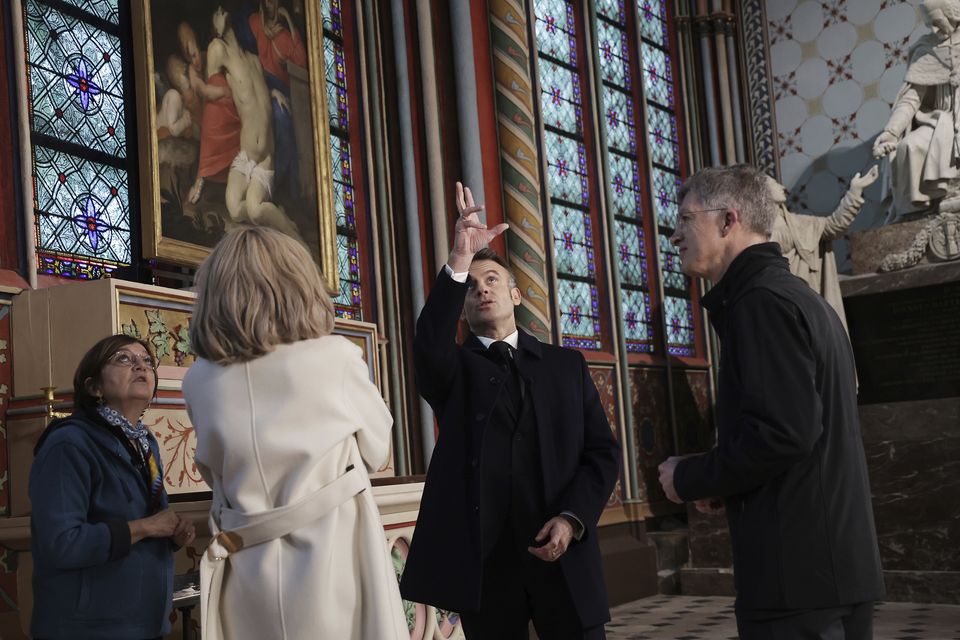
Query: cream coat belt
[235,531]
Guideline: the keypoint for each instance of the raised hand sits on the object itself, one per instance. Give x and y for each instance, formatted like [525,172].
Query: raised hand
[858,183]
[470,235]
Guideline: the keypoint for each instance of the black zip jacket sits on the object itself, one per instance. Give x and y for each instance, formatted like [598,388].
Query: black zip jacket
[789,458]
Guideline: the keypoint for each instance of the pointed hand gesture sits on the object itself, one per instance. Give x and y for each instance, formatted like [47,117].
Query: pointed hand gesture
[470,235]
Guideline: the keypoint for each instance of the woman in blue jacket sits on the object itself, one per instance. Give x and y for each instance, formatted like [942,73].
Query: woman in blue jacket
[102,531]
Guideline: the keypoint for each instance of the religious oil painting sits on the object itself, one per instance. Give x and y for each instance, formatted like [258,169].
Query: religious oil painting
[232,111]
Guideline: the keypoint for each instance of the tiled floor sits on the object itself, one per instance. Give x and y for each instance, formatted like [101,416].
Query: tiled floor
[711,618]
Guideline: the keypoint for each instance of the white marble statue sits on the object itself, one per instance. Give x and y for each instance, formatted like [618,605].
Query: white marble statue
[920,140]
[807,241]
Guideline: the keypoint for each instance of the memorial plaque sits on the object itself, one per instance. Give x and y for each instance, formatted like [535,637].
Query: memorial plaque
[907,343]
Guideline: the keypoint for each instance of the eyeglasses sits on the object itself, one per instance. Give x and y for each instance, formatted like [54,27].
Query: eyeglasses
[127,359]
[683,217]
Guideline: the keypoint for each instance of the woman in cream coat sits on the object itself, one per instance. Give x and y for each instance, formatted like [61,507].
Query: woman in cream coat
[287,423]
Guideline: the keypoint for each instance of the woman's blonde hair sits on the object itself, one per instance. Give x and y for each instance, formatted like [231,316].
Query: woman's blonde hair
[257,289]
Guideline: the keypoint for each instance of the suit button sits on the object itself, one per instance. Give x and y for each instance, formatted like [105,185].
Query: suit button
[473,462]
[479,417]
[494,380]
[476,509]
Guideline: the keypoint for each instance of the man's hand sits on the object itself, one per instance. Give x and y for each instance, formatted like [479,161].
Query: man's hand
[710,506]
[558,532]
[470,235]
[666,469]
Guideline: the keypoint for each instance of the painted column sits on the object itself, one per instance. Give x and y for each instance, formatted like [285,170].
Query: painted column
[516,104]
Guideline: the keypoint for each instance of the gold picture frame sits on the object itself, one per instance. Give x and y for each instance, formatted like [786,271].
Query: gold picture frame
[205,157]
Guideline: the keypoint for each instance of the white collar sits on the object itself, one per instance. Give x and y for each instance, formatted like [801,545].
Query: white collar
[511,340]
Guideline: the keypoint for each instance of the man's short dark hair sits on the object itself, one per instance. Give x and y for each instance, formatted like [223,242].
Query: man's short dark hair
[489,254]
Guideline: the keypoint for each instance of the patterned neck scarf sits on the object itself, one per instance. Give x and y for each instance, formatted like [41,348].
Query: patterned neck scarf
[139,434]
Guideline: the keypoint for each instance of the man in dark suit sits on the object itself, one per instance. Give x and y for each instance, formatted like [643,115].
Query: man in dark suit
[524,463]
[789,460]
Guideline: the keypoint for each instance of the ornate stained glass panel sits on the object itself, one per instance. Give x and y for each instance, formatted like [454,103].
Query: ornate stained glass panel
[560,97]
[332,17]
[336,84]
[657,75]
[105,9]
[665,188]
[679,320]
[78,132]
[566,173]
[556,31]
[637,325]
[624,176]
[662,133]
[75,80]
[673,277]
[343,201]
[349,304]
[611,10]
[618,120]
[612,47]
[566,169]
[573,242]
[653,21]
[82,208]
[579,314]
[631,253]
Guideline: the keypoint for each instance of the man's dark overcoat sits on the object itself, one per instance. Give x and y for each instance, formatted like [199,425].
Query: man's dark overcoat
[579,457]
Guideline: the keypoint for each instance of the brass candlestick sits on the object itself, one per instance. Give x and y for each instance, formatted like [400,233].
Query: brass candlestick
[49,400]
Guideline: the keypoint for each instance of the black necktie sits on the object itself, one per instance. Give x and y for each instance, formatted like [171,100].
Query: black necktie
[503,353]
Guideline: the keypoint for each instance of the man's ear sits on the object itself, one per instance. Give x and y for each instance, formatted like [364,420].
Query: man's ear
[516,296]
[731,218]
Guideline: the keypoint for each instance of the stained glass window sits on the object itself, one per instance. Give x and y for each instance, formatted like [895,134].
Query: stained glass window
[78,137]
[349,303]
[556,35]
[679,325]
[624,175]
[664,151]
[561,106]
[106,9]
[653,21]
